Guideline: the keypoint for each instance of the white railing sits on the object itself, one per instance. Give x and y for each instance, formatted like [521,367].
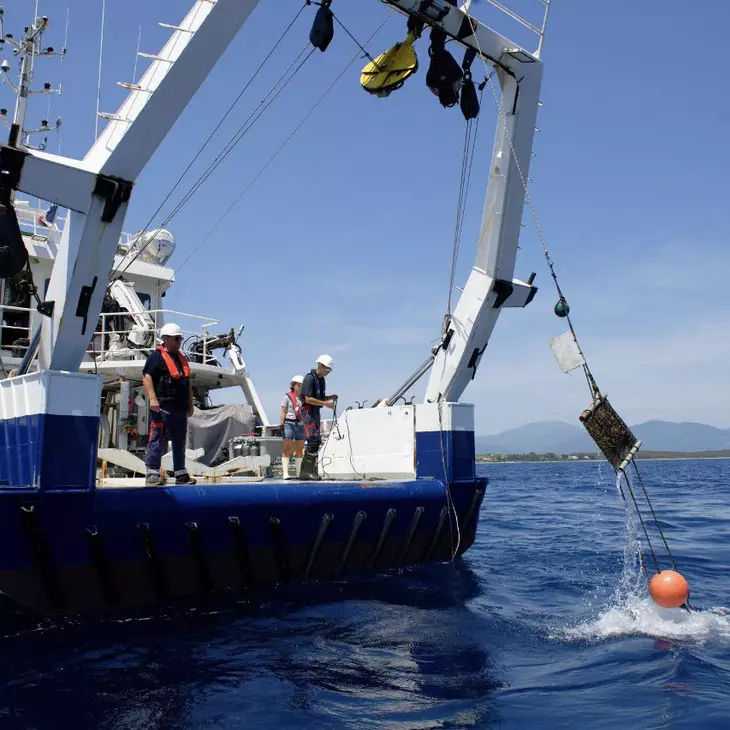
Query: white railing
[10,332]
[106,346]
[536,23]
[30,226]
[37,230]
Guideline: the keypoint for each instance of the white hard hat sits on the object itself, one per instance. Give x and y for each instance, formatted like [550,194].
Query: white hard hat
[325,360]
[297,379]
[170,330]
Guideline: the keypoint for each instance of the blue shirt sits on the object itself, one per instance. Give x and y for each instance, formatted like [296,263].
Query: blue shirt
[312,387]
[172,394]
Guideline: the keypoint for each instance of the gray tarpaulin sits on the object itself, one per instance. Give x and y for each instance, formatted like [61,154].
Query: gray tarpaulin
[210,429]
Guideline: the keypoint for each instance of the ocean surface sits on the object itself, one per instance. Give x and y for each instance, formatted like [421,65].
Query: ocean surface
[542,624]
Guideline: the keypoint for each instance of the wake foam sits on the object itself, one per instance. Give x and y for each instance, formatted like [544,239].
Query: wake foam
[631,612]
[642,617]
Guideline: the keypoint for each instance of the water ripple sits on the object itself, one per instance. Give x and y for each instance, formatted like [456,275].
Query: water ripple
[545,623]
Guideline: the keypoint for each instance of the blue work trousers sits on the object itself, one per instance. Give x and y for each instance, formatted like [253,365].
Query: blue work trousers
[172,424]
[311,421]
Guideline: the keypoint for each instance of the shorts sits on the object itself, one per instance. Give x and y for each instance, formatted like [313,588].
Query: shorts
[294,430]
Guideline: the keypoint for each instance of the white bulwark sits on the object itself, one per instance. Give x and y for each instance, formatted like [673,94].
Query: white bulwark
[50,392]
[381,443]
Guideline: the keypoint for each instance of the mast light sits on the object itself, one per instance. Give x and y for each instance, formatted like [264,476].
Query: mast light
[435,9]
[519,55]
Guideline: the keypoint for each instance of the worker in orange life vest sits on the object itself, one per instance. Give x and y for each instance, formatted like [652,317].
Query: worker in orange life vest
[166,380]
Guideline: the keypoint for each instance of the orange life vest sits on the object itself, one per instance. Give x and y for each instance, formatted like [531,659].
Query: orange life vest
[172,368]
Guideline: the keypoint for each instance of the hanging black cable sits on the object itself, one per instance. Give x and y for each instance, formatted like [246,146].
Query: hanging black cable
[471,130]
[467,151]
[355,40]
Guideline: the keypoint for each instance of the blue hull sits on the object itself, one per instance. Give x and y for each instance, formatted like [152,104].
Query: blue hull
[70,552]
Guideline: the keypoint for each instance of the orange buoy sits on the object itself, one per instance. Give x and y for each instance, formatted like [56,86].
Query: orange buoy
[669,589]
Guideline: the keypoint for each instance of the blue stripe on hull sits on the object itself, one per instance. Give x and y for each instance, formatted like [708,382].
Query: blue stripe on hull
[282,549]
[46,452]
[445,455]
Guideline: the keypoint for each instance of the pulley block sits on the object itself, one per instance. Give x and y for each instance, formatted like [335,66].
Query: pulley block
[444,75]
[469,101]
[390,70]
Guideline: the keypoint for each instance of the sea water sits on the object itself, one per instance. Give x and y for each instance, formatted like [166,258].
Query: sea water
[545,623]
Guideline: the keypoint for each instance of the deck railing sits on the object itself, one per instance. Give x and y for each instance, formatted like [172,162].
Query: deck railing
[17,323]
[105,346]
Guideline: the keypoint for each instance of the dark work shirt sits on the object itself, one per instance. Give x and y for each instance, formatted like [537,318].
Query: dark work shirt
[170,393]
[312,387]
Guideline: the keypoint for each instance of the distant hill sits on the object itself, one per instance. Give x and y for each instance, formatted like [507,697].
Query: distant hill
[554,437]
[558,437]
[666,436]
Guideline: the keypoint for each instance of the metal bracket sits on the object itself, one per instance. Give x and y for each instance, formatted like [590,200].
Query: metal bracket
[115,191]
[46,308]
[447,339]
[476,356]
[434,9]
[503,289]
[11,164]
[82,306]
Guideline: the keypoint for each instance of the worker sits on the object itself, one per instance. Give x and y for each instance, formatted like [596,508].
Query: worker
[166,380]
[292,427]
[313,400]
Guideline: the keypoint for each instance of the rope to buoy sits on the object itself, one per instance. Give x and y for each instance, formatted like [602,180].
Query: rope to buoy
[656,519]
[563,310]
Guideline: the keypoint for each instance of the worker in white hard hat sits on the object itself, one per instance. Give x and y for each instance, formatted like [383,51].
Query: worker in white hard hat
[166,380]
[314,398]
[292,427]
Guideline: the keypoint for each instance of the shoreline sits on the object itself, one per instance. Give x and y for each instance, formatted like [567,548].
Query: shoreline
[583,461]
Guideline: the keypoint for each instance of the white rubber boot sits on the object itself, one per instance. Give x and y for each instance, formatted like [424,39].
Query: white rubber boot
[297,466]
[285,467]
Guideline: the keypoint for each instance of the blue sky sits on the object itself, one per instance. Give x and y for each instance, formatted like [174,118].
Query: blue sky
[343,245]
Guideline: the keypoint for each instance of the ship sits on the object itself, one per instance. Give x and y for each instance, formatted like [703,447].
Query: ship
[82,307]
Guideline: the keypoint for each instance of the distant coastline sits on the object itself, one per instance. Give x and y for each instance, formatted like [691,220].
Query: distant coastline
[560,439]
[596,456]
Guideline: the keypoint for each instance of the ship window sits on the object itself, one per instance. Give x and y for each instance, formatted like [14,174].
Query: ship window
[145,299]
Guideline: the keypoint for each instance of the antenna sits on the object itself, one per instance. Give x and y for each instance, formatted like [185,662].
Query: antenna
[98,82]
[60,80]
[136,56]
[29,48]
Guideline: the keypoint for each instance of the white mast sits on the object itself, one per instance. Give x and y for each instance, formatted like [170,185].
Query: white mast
[27,49]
